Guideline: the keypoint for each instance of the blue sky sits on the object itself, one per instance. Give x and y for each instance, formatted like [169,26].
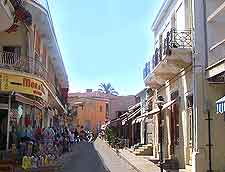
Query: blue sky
[105,41]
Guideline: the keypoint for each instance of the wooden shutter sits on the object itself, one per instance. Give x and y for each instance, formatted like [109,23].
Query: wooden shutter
[44,56]
[37,43]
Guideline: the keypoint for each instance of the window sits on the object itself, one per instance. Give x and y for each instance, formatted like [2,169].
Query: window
[137,99]
[174,95]
[119,113]
[107,108]
[189,99]
[100,108]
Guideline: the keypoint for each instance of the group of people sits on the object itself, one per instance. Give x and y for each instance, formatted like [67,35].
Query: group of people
[67,137]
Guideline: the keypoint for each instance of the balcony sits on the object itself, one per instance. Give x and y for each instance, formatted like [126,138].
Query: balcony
[6,14]
[173,55]
[15,62]
[149,77]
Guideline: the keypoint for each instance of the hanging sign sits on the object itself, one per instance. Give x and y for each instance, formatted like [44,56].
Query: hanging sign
[23,84]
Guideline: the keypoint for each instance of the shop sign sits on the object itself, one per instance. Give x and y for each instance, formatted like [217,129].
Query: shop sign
[22,84]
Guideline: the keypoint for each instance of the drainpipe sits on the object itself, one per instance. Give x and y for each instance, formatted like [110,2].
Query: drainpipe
[208,110]
[8,121]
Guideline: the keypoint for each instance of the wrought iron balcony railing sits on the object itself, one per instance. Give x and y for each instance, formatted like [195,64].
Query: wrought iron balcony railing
[177,39]
[146,70]
[157,57]
[174,39]
[14,61]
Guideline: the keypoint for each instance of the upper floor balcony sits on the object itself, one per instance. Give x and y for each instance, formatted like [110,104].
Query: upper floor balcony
[149,77]
[173,54]
[33,66]
[6,14]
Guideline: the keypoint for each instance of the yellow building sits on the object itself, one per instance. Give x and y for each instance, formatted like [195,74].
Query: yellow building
[33,80]
[91,109]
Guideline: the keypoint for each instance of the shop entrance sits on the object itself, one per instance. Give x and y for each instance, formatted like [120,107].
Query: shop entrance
[3,128]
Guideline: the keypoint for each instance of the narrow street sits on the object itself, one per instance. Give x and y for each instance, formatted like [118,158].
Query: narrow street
[94,157]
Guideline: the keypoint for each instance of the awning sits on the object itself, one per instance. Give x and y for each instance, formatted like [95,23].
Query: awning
[23,99]
[156,110]
[139,119]
[103,127]
[124,121]
[134,106]
[134,114]
[220,105]
[26,100]
[115,120]
[131,116]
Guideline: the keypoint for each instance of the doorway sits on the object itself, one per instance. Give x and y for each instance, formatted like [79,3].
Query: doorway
[3,128]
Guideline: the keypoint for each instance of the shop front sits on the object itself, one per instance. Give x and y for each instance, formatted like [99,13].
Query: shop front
[25,118]
[22,102]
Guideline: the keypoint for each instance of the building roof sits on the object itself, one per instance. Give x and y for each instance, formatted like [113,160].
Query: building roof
[93,94]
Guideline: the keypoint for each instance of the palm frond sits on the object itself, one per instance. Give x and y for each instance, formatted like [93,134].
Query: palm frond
[107,89]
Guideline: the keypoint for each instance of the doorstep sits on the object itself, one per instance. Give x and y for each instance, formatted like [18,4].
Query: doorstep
[139,163]
[142,163]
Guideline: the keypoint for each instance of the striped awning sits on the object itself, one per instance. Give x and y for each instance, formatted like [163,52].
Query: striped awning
[220,105]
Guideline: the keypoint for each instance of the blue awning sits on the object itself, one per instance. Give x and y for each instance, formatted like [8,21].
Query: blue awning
[220,105]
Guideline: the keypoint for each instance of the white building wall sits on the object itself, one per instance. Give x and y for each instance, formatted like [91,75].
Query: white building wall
[175,11]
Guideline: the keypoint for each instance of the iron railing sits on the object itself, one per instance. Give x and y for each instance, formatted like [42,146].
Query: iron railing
[174,39]
[14,61]
[146,70]
[177,39]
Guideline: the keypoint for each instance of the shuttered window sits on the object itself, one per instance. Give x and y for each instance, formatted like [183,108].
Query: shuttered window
[175,124]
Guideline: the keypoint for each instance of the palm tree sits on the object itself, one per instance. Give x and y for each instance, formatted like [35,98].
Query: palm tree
[107,89]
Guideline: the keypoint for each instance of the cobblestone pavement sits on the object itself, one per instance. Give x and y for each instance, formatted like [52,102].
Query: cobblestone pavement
[93,157]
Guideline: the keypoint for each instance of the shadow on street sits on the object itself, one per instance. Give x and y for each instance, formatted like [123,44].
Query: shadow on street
[83,158]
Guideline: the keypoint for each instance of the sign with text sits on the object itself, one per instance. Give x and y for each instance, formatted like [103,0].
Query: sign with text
[23,84]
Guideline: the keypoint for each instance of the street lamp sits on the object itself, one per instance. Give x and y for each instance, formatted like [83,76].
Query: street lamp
[160,102]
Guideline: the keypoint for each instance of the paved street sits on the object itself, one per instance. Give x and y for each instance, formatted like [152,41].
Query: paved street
[96,157]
